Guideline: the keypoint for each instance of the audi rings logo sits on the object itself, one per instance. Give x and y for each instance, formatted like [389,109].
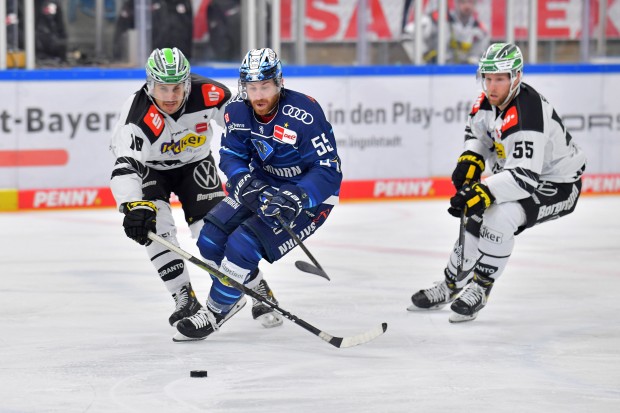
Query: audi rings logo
[299,114]
[206,176]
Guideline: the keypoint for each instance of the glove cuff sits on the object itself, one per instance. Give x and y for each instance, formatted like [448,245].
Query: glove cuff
[300,193]
[234,180]
[473,158]
[130,206]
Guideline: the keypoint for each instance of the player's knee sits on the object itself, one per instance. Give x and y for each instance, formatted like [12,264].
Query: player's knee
[243,249]
[501,221]
[211,242]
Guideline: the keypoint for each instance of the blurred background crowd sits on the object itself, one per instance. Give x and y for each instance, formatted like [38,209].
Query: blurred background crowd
[119,33]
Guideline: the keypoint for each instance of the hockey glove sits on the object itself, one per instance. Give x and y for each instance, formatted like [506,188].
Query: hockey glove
[247,190]
[468,169]
[472,199]
[140,218]
[287,203]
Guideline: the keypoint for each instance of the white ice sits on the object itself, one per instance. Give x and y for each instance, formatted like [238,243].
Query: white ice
[84,321]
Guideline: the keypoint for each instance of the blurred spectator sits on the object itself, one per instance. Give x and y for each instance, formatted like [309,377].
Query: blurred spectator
[171,26]
[466,39]
[50,29]
[224,23]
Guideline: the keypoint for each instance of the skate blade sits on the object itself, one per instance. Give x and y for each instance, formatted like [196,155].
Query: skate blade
[270,320]
[180,338]
[459,318]
[413,307]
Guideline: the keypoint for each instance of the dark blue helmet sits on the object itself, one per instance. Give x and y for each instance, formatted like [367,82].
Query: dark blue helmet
[261,64]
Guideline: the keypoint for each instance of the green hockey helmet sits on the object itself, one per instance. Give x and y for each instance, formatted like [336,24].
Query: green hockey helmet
[167,66]
[502,58]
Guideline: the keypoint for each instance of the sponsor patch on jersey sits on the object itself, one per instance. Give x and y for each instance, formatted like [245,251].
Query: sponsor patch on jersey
[499,149]
[190,140]
[477,104]
[285,135]
[201,127]
[212,94]
[510,119]
[264,150]
[154,120]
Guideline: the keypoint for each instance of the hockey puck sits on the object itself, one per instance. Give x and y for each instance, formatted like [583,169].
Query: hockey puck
[198,373]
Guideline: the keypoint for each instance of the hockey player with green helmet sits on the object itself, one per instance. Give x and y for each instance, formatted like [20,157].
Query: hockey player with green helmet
[162,145]
[534,175]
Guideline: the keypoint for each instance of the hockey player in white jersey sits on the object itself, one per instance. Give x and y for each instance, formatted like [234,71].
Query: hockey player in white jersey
[279,154]
[535,169]
[162,144]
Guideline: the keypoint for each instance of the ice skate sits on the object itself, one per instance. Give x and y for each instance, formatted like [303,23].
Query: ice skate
[204,322]
[434,298]
[472,300]
[186,304]
[263,313]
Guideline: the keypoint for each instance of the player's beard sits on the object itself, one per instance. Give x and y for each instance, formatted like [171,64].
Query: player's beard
[265,107]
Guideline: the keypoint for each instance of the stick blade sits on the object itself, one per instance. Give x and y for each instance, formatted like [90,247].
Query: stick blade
[351,341]
[307,267]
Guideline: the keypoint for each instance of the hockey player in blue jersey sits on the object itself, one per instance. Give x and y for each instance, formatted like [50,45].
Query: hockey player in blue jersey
[279,154]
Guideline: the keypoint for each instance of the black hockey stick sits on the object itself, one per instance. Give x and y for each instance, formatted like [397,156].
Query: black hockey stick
[460,252]
[340,342]
[302,265]
[460,248]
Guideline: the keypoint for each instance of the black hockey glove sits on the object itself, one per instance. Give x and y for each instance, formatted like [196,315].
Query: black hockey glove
[288,203]
[247,190]
[468,169]
[140,218]
[472,199]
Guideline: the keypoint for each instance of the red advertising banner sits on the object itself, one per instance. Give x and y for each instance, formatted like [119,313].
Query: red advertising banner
[336,20]
[351,191]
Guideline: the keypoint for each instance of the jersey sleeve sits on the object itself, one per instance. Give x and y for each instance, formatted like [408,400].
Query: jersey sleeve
[235,146]
[129,145]
[318,149]
[477,138]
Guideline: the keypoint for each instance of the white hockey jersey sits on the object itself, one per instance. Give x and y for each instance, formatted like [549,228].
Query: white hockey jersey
[523,145]
[144,136]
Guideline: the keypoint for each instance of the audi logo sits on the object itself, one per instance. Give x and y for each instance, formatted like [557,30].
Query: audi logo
[296,113]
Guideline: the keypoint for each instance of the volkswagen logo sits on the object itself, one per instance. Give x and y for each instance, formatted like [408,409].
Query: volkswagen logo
[206,176]
[299,114]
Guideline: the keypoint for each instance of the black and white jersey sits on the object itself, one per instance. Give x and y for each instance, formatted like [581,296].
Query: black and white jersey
[144,136]
[523,145]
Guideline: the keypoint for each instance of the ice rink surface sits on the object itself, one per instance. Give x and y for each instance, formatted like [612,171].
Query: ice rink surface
[84,321]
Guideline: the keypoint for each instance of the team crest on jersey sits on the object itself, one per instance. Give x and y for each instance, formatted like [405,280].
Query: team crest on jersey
[154,120]
[284,135]
[226,117]
[510,119]
[264,150]
[201,127]
[190,140]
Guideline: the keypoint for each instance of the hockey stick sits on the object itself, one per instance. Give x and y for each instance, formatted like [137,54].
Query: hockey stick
[340,342]
[460,252]
[302,265]
[460,249]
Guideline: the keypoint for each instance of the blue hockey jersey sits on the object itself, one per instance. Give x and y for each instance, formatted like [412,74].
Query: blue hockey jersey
[297,146]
